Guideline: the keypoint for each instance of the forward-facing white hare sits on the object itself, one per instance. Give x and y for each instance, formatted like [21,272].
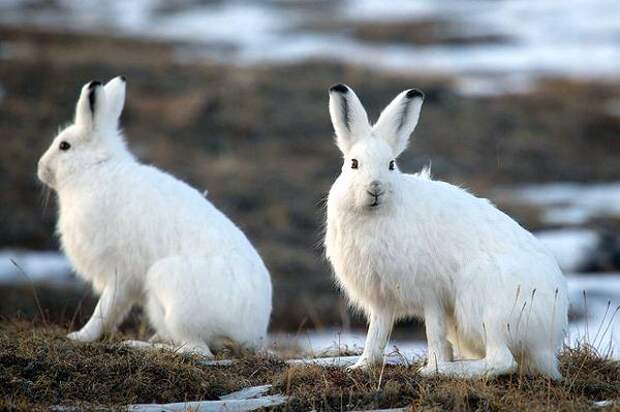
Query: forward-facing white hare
[405,245]
[141,236]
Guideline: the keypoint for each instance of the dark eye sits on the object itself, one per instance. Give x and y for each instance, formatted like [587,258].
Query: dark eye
[391,165]
[353,163]
[64,146]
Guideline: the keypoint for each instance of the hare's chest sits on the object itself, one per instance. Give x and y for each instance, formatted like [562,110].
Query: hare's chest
[370,265]
[90,239]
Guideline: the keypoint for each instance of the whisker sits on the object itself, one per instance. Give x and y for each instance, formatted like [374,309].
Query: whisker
[45,198]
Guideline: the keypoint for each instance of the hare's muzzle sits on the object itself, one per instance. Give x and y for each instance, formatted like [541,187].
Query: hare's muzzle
[44,174]
[375,191]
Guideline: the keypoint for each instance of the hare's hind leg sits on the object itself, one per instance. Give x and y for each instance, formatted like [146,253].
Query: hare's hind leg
[497,358]
[157,317]
[544,362]
[181,301]
[173,327]
[172,305]
[437,324]
[498,361]
[462,346]
[195,348]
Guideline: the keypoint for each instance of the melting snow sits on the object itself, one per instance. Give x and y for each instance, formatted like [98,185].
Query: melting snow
[570,203]
[35,266]
[575,39]
[571,247]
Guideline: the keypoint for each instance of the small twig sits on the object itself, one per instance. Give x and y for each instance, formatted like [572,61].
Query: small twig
[551,332]
[585,309]
[611,320]
[381,376]
[78,309]
[600,325]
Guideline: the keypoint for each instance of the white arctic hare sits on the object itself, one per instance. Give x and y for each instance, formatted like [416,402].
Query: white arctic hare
[141,236]
[405,245]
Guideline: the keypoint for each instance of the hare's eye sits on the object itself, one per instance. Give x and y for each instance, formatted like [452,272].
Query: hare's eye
[353,163]
[64,146]
[391,165]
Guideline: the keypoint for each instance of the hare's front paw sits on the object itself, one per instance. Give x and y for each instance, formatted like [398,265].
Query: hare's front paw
[428,370]
[82,336]
[363,363]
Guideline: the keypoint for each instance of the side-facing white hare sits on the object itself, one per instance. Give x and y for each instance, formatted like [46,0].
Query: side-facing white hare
[141,236]
[405,245]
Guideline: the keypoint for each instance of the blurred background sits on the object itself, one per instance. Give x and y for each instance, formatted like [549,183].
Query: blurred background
[523,107]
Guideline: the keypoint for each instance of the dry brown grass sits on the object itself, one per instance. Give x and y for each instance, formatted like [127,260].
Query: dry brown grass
[587,378]
[39,368]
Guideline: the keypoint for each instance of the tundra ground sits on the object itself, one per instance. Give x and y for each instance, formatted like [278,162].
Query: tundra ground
[40,368]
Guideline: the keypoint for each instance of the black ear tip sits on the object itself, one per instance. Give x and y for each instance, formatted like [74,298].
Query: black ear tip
[92,87]
[339,88]
[123,78]
[93,84]
[415,93]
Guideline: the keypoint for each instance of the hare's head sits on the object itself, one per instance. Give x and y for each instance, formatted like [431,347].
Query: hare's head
[369,173]
[92,139]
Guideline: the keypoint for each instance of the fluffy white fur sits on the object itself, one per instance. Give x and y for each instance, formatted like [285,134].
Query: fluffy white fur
[404,245]
[141,236]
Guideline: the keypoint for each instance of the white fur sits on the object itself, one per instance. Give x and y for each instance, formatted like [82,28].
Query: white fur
[491,296]
[141,236]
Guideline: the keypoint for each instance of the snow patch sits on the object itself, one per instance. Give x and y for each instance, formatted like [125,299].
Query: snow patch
[571,247]
[570,203]
[578,39]
[332,342]
[35,266]
[599,324]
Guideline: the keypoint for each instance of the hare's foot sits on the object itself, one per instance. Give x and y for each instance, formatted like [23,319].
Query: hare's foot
[500,362]
[365,362]
[196,348]
[84,335]
[113,306]
[362,363]
[156,338]
[142,345]
[379,329]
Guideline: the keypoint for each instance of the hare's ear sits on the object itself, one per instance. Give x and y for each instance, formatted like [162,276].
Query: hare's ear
[399,119]
[115,98]
[348,117]
[90,105]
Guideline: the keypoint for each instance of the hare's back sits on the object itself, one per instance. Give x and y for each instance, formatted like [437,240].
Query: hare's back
[167,215]
[458,215]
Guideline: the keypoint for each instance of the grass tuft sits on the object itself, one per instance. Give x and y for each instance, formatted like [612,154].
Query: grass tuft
[39,368]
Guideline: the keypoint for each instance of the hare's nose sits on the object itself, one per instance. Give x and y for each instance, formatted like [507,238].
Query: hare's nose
[375,188]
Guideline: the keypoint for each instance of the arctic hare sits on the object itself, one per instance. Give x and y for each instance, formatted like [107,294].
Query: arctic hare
[404,245]
[141,236]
